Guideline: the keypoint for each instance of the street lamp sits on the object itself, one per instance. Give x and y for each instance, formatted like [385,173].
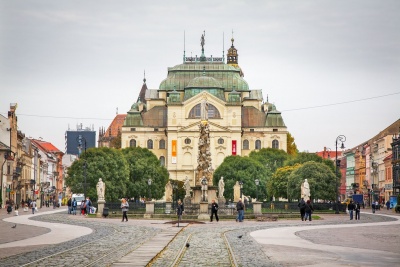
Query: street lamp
[149,183]
[82,141]
[257,184]
[174,187]
[340,138]
[241,189]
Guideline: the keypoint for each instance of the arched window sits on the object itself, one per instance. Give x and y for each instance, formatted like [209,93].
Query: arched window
[275,144]
[258,144]
[161,144]
[132,143]
[246,144]
[162,161]
[213,112]
[188,141]
[220,141]
[150,144]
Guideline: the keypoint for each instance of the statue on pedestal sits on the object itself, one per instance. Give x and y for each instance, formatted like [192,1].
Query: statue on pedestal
[168,192]
[186,185]
[236,192]
[101,188]
[305,190]
[221,187]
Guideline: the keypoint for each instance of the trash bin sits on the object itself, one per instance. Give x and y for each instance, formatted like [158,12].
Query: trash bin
[105,212]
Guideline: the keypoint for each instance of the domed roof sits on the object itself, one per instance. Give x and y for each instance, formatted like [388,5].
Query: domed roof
[204,81]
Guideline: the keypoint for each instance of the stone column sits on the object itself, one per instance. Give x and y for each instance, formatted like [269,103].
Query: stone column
[257,208]
[168,207]
[100,207]
[149,210]
[204,211]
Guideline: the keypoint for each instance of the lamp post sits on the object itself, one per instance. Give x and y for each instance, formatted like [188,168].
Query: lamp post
[174,187]
[340,138]
[257,184]
[241,189]
[149,191]
[82,141]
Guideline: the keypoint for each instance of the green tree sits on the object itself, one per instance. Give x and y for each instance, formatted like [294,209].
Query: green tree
[278,185]
[246,169]
[291,145]
[106,163]
[320,177]
[144,165]
[304,157]
[270,158]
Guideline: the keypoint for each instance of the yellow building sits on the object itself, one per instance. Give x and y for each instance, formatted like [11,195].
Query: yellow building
[166,120]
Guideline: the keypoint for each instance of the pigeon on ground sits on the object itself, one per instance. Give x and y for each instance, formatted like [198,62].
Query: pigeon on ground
[240,236]
[187,245]
[14,226]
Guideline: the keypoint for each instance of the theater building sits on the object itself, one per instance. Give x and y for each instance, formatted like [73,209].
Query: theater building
[166,120]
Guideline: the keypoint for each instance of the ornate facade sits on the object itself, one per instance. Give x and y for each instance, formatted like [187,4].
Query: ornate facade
[166,120]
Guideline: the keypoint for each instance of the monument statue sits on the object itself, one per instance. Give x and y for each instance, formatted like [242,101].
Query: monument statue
[204,166]
[202,40]
[204,110]
[221,187]
[186,185]
[204,189]
[101,188]
[168,192]
[305,190]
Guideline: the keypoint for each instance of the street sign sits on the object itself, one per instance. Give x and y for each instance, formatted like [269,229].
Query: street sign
[8,190]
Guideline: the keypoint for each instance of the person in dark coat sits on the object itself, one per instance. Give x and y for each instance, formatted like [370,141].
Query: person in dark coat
[214,210]
[351,207]
[302,206]
[309,209]
[240,210]
[180,209]
[357,209]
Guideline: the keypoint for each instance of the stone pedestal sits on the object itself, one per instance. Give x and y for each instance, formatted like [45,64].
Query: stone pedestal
[149,210]
[100,207]
[257,208]
[168,205]
[204,211]
[221,202]
[197,194]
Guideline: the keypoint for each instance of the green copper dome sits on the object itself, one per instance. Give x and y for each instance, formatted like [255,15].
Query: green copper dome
[204,81]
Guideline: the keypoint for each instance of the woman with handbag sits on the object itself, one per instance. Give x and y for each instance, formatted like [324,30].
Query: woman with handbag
[309,209]
[124,207]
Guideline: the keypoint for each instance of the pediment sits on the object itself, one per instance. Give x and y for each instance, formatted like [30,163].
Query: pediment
[203,95]
[214,127]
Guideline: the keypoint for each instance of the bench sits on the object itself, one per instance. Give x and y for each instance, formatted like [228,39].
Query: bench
[266,217]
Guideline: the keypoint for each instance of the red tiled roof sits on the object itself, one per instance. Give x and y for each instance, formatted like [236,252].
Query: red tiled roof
[115,126]
[329,154]
[46,146]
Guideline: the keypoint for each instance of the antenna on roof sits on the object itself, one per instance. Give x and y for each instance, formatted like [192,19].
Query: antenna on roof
[184,47]
[223,47]
[144,76]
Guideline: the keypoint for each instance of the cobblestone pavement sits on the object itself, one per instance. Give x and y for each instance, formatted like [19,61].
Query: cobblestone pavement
[211,244]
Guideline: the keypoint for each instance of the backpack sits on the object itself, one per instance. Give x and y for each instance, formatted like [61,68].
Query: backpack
[74,203]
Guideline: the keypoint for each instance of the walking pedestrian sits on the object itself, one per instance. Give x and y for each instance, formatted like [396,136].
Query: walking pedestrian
[83,207]
[180,209]
[69,204]
[33,206]
[74,205]
[388,205]
[302,206]
[240,210]
[214,210]
[357,208]
[308,209]
[351,207]
[124,208]
[88,205]
[373,206]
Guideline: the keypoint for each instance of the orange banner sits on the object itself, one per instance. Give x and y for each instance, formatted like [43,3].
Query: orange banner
[174,148]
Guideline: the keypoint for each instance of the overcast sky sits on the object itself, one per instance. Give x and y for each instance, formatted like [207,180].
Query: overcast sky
[72,62]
